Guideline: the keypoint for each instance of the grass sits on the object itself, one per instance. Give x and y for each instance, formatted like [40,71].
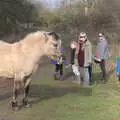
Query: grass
[63,100]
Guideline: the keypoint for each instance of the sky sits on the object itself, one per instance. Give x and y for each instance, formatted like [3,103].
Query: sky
[51,3]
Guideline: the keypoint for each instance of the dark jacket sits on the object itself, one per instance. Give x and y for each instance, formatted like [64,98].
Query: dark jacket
[72,56]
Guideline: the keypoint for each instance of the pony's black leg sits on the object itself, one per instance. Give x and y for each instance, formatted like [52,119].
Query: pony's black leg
[25,99]
[15,94]
[26,92]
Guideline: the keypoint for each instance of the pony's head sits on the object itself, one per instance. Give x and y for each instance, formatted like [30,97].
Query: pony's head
[46,42]
[50,43]
[51,47]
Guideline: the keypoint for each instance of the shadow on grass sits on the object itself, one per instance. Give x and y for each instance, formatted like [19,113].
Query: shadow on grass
[44,92]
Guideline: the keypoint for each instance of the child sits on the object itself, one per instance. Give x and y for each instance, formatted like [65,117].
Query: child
[118,68]
[59,66]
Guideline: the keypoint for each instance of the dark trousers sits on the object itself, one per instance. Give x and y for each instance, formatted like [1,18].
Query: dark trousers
[103,69]
[119,77]
[90,72]
[59,69]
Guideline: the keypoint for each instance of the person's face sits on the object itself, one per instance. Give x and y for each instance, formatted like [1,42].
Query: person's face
[100,38]
[82,39]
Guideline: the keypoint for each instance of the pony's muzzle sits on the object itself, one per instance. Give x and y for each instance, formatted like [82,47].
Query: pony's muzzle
[55,45]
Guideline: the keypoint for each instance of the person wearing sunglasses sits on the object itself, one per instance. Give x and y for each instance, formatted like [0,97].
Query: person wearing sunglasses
[102,54]
[84,55]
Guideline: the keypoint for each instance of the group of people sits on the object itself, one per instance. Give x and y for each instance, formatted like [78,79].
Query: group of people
[82,51]
[81,59]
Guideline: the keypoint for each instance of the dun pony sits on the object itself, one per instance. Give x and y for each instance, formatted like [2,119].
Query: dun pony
[20,60]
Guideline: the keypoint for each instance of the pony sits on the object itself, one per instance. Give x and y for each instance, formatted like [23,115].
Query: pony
[21,59]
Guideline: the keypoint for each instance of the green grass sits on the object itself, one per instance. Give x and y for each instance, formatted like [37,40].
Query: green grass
[56,100]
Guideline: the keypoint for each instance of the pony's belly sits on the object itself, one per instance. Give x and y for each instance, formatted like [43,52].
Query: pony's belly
[6,74]
[6,70]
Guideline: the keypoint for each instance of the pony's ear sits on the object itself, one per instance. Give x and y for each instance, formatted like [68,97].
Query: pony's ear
[53,34]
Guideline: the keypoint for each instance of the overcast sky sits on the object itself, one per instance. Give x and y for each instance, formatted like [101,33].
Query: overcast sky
[52,3]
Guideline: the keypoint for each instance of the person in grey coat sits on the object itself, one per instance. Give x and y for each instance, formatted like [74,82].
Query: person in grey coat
[102,54]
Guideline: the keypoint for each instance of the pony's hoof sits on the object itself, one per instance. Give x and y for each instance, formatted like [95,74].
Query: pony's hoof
[27,105]
[15,106]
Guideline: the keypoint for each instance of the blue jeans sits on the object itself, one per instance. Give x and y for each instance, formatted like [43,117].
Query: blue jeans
[84,75]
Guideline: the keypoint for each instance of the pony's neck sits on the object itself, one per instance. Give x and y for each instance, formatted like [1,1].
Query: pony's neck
[34,49]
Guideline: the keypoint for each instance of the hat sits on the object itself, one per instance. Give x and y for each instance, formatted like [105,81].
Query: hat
[100,35]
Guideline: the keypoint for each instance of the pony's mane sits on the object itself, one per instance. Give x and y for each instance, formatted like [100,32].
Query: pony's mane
[33,37]
[35,34]
[54,35]
[4,43]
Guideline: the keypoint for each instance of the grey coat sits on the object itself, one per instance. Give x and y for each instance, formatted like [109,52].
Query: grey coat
[102,49]
[88,53]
